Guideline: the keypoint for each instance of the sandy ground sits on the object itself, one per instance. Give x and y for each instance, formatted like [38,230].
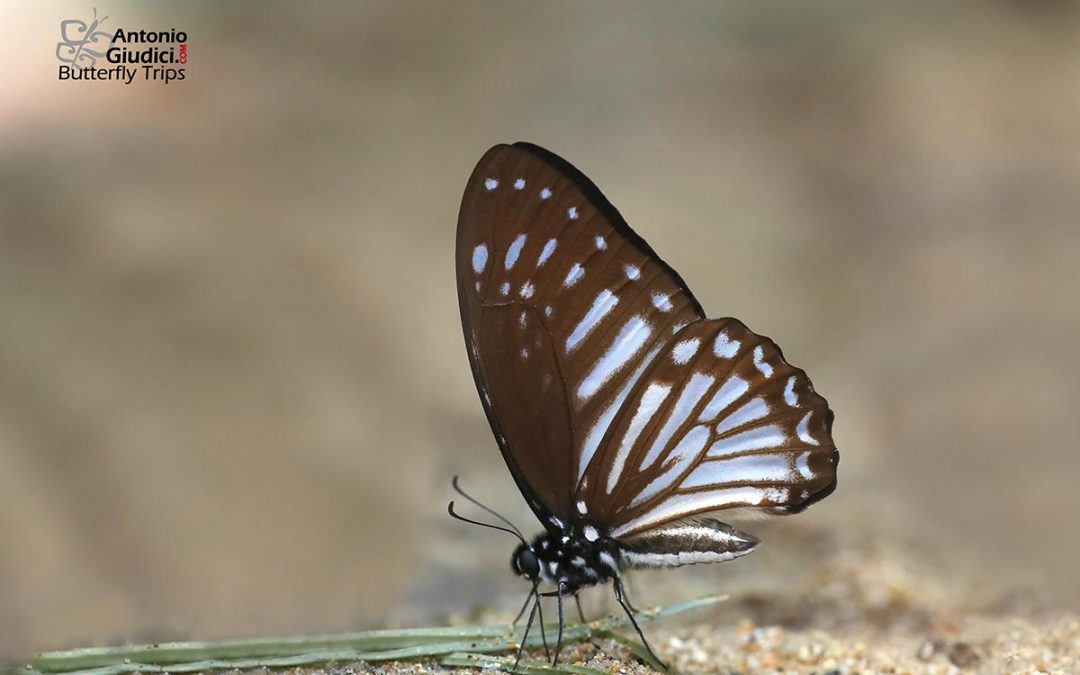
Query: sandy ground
[854,602]
[975,645]
[981,645]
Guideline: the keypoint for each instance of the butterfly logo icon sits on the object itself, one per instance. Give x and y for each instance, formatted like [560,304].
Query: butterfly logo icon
[82,44]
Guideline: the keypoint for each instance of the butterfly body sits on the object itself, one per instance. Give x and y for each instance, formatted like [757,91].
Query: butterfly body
[623,413]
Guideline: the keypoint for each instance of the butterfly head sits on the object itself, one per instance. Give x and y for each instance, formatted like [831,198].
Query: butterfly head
[525,562]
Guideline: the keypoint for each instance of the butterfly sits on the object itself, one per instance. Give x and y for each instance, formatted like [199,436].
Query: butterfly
[625,416]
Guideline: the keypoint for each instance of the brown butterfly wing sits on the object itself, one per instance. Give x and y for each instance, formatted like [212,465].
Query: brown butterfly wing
[563,308]
[718,421]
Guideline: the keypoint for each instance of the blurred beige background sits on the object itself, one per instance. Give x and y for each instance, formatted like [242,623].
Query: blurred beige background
[232,381]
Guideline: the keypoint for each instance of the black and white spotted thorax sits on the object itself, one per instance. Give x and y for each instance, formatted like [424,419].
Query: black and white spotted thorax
[573,557]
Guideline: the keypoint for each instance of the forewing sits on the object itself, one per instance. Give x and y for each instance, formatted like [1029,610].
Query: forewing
[718,421]
[563,308]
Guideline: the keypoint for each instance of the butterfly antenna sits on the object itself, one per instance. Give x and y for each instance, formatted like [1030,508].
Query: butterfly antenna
[454,514]
[457,488]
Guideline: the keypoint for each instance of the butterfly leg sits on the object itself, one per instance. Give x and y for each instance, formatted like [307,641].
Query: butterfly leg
[626,597]
[543,633]
[525,636]
[581,614]
[558,642]
[559,594]
[534,593]
[620,595]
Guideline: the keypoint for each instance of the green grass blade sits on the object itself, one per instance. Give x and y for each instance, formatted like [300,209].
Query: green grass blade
[636,648]
[183,652]
[371,646]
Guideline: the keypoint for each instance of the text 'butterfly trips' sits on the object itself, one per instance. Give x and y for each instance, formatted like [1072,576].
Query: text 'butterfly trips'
[623,413]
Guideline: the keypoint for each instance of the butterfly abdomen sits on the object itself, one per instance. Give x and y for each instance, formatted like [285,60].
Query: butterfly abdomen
[687,542]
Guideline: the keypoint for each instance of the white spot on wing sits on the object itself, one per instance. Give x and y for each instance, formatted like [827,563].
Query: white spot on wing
[548,311]
[590,532]
[633,272]
[601,243]
[759,361]
[789,393]
[582,508]
[745,469]
[774,496]
[754,409]
[603,304]
[662,302]
[691,444]
[572,213]
[691,395]
[545,193]
[803,430]
[802,465]
[575,274]
[754,438]
[729,392]
[519,184]
[685,350]
[709,500]
[633,336]
[491,184]
[505,288]
[603,422]
[654,396]
[724,347]
[479,258]
[527,290]
[687,449]
[514,251]
[549,248]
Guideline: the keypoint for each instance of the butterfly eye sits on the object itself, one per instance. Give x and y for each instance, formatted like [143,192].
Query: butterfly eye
[525,562]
